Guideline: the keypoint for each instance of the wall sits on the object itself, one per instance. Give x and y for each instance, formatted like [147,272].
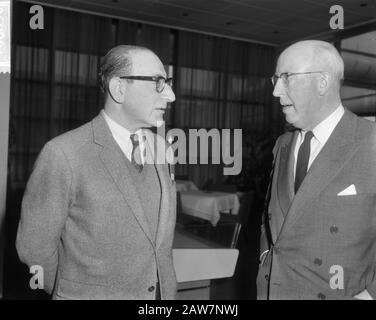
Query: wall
[4,126]
[5,15]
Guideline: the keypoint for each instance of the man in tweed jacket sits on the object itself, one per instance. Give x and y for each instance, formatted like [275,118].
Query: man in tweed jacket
[96,215]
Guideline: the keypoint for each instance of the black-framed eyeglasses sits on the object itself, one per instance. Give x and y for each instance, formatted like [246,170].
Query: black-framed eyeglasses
[160,82]
[285,76]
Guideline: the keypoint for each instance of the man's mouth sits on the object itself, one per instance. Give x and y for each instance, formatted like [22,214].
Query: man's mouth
[286,107]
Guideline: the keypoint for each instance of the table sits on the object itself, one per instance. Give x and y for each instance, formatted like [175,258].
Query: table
[209,204]
[197,262]
[185,185]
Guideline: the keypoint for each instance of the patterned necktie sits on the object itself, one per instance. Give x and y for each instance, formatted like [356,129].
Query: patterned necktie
[136,153]
[303,159]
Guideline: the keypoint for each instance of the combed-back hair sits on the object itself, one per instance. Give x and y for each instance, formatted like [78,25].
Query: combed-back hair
[117,62]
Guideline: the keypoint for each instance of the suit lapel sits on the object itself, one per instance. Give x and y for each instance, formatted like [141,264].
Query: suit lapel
[156,151]
[286,174]
[165,201]
[114,161]
[339,149]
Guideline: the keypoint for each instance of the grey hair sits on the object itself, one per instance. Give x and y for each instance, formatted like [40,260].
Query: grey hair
[325,51]
[117,62]
[324,55]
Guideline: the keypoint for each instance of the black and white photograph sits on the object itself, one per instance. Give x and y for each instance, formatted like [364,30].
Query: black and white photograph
[188,150]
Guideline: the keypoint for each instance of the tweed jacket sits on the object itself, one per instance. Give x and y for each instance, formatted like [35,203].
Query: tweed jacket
[83,222]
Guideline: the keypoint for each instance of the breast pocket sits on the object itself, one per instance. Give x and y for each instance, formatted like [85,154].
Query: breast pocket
[351,219]
[364,202]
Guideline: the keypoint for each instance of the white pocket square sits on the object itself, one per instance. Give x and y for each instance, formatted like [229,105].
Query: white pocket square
[349,191]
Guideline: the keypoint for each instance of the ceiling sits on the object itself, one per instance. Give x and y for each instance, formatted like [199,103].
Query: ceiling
[274,22]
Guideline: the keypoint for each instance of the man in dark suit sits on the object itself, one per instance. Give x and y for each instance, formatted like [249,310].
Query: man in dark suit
[96,214]
[319,237]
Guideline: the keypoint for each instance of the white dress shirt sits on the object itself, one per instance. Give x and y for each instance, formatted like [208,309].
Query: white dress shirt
[321,134]
[122,137]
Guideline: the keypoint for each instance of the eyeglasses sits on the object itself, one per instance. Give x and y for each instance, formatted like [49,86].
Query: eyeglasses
[285,76]
[160,82]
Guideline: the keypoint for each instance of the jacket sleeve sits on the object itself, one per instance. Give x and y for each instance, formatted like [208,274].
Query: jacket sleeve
[371,288]
[44,211]
[264,243]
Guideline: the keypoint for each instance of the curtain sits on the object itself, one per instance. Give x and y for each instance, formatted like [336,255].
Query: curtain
[55,78]
[225,84]
[54,83]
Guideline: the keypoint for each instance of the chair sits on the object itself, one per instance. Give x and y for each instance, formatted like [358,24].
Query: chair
[222,187]
[227,231]
[240,219]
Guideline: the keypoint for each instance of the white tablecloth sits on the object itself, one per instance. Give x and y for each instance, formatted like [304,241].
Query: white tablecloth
[208,205]
[185,185]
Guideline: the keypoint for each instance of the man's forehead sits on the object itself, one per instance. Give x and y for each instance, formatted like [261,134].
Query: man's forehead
[147,63]
[294,60]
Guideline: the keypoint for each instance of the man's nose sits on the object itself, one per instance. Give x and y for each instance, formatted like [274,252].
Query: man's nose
[278,88]
[168,94]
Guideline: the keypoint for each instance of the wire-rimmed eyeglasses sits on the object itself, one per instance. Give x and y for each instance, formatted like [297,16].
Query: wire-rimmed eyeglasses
[285,76]
[160,82]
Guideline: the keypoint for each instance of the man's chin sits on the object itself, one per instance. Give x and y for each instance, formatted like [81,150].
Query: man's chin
[291,122]
[158,123]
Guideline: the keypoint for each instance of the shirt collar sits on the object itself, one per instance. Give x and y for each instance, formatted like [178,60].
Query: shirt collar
[325,128]
[120,131]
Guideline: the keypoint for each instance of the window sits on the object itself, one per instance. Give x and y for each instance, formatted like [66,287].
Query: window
[359,90]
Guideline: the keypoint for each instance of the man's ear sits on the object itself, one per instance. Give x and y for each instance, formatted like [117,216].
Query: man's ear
[324,82]
[116,89]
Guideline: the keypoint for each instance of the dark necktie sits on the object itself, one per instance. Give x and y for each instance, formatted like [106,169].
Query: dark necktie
[136,153]
[303,159]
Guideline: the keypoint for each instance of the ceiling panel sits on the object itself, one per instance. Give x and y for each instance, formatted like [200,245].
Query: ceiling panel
[251,13]
[127,5]
[320,11]
[273,34]
[277,6]
[361,7]
[310,26]
[168,11]
[364,43]
[275,22]
[206,5]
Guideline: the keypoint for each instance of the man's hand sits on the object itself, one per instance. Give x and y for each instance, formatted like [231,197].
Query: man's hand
[364,295]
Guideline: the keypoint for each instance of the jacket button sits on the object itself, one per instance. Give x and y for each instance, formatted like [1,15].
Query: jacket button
[333,229]
[266,277]
[151,289]
[321,296]
[318,262]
